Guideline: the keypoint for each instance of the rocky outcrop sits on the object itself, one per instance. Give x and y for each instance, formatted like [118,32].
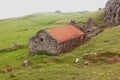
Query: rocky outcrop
[112,12]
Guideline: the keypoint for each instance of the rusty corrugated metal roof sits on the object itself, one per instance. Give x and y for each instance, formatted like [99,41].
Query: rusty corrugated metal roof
[64,33]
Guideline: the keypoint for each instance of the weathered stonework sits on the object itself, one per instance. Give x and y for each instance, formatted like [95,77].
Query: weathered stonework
[90,29]
[44,41]
[70,44]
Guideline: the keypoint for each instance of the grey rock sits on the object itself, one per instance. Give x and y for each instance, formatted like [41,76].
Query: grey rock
[26,63]
[112,12]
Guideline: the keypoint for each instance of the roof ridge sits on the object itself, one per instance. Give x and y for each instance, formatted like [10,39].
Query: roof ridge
[60,26]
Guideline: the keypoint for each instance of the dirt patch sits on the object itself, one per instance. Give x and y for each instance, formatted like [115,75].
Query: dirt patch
[106,57]
[113,60]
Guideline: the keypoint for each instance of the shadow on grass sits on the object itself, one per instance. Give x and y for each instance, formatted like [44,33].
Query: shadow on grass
[41,52]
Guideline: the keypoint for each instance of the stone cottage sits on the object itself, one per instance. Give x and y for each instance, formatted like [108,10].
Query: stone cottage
[56,40]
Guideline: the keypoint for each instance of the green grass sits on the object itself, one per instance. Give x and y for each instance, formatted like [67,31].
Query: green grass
[62,67]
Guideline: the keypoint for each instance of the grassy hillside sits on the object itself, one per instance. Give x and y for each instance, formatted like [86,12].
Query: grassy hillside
[62,67]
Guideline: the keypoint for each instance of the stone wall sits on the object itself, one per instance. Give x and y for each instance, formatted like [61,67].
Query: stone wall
[43,41]
[71,44]
[90,29]
[112,12]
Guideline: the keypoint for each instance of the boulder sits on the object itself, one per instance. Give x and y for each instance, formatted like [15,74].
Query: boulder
[26,63]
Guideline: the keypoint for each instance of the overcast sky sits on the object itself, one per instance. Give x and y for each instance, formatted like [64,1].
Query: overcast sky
[13,8]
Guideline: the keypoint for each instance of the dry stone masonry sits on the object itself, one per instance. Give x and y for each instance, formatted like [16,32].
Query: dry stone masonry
[64,38]
[56,40]
[90,29]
